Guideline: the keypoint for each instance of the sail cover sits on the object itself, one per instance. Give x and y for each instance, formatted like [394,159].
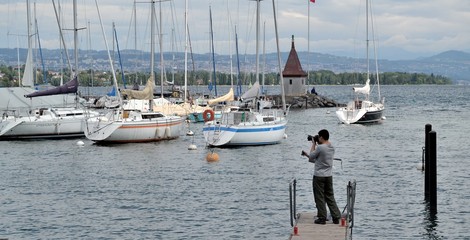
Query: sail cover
[145,94]
[224,98]
[69,87]
[363,90]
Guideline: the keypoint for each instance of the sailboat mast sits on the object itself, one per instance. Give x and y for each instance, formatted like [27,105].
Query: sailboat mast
[281,79]
[367,37]
[62,38]
[375,54]
[89,50]
[28,79]
[185,49]
[135,35]
[118,94]
[230,42]
[44,73]
[173,39]
[239,87]
[257,39]
[264,58]
[152,44]
[213,54]
[161,49]
[75,35]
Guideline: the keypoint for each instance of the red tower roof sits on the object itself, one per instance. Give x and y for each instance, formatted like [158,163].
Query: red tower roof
[293,68]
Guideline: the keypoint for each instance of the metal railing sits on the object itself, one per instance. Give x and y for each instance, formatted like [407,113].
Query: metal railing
[349,208]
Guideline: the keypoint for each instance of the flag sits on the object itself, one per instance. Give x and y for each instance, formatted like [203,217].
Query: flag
[313,1]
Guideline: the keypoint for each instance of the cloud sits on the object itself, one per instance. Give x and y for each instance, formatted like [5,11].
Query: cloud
[416,26]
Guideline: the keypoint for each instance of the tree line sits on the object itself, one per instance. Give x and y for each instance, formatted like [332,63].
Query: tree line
[9,78]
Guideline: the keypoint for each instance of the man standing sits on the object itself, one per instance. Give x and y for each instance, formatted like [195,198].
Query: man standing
[321,153]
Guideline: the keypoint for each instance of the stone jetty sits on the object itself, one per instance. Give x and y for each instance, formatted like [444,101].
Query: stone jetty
[307,101]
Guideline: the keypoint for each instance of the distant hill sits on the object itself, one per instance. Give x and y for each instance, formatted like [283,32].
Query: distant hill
[449,56]
[452,64]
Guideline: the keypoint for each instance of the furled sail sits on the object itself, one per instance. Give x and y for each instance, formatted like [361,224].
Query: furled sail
[28,77]
[363,90]
[69,87]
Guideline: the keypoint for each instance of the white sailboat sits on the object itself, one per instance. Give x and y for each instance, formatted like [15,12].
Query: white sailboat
[247,126]
[362,110]
[54,120]
[135,120]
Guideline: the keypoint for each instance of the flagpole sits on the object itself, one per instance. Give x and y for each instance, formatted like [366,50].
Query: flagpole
[308,45]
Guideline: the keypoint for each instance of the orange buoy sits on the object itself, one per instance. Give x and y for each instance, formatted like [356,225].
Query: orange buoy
[212,157]
[208,115]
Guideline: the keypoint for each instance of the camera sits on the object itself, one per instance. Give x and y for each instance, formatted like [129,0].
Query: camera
[315,138]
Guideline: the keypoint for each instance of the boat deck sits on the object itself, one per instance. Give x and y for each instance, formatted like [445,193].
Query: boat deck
[306,229]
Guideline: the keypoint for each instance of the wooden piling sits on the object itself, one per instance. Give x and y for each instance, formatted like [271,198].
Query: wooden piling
[427,129]
[432,172]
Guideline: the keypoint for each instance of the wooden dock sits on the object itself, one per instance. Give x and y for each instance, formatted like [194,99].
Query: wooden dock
[306,229]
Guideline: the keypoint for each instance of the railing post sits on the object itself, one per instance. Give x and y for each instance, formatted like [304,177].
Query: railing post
[295,199]
[292,201]
[290,205]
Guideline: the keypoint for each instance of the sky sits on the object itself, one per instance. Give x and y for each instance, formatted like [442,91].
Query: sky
[402,29]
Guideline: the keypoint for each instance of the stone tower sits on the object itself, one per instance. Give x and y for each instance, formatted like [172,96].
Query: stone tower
[294,76]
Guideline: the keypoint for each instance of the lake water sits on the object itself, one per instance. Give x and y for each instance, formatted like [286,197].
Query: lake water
[54,189]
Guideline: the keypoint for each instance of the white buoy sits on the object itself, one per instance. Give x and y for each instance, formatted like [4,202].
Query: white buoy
[383,118]
[189,133]
[328,112]
[80,143]
[192,147]
[285,136]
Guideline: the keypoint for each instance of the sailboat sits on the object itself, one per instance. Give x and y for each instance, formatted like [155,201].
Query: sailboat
[362,110]
[249,126]
[134,120]
[53,121]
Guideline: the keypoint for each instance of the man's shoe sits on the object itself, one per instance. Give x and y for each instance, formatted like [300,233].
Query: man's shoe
[320,221]
[335,220]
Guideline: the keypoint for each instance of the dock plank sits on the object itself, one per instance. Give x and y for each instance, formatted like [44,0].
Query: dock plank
[306,229]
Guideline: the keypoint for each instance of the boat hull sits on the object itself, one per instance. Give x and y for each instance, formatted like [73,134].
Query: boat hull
[50,123]
[366,114]
[371,117]
[128,131]
[244,134]
[195,117]
[225,135]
